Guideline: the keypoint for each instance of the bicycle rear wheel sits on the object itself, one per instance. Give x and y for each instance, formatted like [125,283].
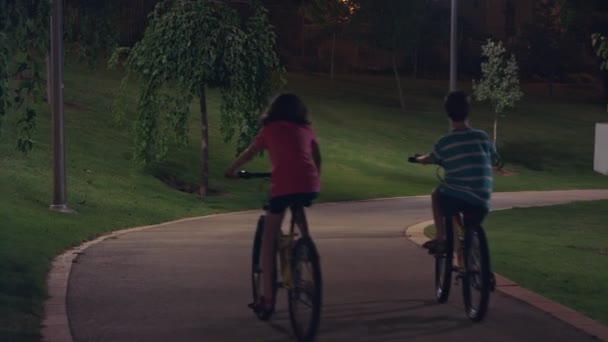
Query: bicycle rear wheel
[257,280]
[476,282]
[305,296]
[444,264]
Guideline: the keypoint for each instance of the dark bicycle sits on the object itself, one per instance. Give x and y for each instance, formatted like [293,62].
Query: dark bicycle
[300,271]
[469,246]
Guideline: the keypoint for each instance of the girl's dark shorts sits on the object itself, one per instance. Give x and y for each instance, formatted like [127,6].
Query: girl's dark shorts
[277,205]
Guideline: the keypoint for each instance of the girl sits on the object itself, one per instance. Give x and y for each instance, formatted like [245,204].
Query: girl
[296,165]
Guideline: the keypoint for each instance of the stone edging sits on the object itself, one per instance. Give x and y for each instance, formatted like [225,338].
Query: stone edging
[55,325]
[416,234]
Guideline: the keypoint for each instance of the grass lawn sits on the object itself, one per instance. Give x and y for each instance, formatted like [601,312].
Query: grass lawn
[364,136]
[559,251]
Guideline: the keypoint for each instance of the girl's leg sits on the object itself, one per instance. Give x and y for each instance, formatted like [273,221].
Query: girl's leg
[272,224]
[301,221]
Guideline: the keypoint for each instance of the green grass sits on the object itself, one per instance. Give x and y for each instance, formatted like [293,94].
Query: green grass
[559,251]
[364,138]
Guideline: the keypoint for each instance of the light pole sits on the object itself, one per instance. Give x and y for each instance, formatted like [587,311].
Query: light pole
[56,101]
[453,46]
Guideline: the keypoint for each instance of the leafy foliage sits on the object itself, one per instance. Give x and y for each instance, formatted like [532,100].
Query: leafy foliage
[90,28]
[394,25]
[330,15]
[543,39]
[583,17]
[600,44]
[23,44]
[192,44]
[499,83]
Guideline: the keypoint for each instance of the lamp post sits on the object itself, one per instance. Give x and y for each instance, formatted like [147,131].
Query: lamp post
[453,47]
[56,101]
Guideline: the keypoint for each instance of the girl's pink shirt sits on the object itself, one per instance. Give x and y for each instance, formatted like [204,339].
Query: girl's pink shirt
[290,148]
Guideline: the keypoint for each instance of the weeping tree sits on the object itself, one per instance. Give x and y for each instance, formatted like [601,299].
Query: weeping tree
[23,46]
[188,47]
[90,30]
[499,82]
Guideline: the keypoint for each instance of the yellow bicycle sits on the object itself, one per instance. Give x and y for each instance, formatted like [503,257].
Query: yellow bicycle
[469,244]
[300,271]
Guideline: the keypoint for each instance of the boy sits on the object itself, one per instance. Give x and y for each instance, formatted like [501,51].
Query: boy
[467,156]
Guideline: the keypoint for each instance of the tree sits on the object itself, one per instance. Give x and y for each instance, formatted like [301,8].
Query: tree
[499,82]
[188,47]
[542,40]
[24,42]
[394,25]
[23,45]
[91,28]
[329,16]
[599,42]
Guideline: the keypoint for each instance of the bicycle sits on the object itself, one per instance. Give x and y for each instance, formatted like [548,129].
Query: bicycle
[293,253]
[470,247]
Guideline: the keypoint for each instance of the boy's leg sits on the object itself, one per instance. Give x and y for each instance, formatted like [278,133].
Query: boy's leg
[272,224]
[437,215]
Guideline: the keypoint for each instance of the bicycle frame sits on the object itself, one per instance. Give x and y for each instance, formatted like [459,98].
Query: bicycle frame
[458,231]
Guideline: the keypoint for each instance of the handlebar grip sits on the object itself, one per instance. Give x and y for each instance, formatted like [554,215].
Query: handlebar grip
[413,159]
[248,175]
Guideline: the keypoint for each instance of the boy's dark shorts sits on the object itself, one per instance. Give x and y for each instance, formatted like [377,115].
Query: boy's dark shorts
[277,205]
[473,215]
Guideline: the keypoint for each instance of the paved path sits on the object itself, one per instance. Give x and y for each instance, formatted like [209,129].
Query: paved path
[189,281]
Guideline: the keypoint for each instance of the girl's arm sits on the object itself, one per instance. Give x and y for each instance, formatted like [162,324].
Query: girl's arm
[245,157]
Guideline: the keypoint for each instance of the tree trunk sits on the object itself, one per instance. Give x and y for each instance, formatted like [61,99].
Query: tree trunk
[495,129]
[398,79]
[415,62]
[48,78]
[333,56]
[204,182]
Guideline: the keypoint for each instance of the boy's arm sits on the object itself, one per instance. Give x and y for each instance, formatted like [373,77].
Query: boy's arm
[246,156]
[316,155]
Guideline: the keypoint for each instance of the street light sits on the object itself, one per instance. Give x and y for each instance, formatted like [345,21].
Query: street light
[453,47]
[56,101]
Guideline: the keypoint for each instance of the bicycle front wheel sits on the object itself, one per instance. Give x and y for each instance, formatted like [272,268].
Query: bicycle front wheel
[305,296]
[476,282]
[257,277]
[444,264]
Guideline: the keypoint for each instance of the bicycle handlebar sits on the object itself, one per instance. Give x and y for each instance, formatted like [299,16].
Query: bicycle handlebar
[413,159]
[249,175]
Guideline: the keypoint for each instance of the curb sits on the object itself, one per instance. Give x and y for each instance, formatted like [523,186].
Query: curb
[56,325]
[508,287]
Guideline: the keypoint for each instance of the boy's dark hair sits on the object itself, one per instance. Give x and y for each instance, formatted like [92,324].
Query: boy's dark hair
[457,105]
[286,107]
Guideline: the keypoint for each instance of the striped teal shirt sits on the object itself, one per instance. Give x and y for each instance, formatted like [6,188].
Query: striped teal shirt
[466,156]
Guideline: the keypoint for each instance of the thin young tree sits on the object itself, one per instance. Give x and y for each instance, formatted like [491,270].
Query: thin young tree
[499,82]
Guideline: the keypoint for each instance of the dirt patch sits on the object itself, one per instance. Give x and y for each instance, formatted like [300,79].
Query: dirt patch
[184,186]
[505,172]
